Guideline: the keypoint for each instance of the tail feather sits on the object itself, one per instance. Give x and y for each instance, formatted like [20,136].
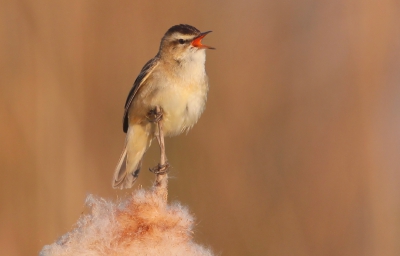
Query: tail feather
[121,177]
[137,142]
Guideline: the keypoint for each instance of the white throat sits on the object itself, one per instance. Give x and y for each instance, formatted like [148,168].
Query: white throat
[192,65]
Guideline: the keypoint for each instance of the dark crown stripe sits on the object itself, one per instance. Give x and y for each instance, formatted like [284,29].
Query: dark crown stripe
[183,29]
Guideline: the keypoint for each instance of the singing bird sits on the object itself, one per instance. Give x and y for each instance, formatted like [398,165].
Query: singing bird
[175,81]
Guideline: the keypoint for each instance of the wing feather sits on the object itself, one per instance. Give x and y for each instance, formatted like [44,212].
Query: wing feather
[144,74]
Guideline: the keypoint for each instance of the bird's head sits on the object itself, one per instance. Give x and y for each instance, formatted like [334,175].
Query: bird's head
[182,41]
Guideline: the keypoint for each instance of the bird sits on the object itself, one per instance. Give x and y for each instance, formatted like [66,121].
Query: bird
[175,82]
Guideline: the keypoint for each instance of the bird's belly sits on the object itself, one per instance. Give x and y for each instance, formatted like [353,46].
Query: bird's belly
[182,107]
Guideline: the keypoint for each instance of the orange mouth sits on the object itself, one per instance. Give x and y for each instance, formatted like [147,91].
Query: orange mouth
[197,41]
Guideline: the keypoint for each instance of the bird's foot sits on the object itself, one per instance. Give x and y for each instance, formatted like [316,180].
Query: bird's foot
[155,116]
[160,169]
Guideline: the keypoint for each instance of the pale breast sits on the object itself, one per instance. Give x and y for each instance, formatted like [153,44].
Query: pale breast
[182,104]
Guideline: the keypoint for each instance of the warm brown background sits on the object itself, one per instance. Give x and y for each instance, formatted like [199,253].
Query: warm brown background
[296,154]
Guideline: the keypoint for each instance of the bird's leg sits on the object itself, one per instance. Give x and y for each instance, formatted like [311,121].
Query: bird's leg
[162,167]
[160,186]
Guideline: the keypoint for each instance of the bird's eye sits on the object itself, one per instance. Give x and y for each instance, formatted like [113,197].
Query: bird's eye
[181,41]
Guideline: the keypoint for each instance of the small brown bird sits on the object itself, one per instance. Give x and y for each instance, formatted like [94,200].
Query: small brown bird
[175,81]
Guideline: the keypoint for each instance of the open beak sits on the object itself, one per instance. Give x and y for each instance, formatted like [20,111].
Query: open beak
[197,41]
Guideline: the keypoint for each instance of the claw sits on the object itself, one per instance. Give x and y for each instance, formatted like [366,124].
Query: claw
[160,169]
[153,116]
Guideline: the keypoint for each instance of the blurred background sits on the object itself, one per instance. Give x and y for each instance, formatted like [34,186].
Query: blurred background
[297,151]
